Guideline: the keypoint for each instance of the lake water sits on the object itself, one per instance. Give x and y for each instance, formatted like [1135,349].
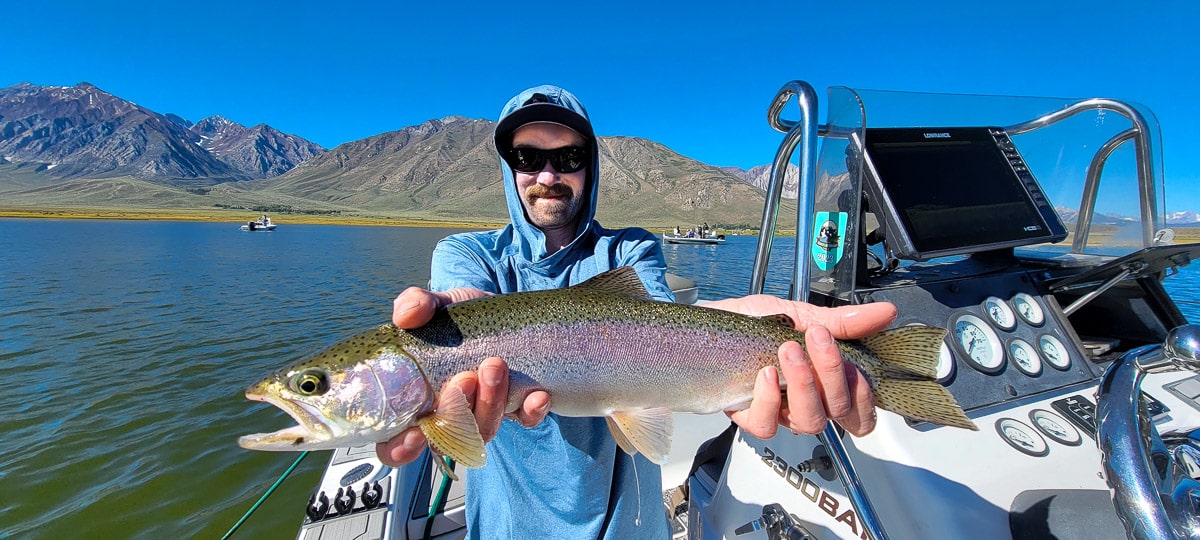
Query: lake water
[125,347]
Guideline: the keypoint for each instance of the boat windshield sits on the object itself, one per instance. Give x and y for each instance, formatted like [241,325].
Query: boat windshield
[1097,163]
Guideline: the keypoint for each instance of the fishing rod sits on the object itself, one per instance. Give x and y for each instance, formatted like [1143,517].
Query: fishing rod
[270,490]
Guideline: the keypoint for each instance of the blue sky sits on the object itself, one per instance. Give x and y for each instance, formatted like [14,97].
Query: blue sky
[695,76]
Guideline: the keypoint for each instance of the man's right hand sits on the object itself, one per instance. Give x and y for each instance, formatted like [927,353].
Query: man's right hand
[486,388]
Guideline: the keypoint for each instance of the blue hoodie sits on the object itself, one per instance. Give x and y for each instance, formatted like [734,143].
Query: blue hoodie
[566,477]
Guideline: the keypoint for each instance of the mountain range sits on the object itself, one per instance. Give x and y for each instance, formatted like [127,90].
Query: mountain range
[82,146]
[84,132]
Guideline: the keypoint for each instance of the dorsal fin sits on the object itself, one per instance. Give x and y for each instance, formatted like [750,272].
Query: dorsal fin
[623,280]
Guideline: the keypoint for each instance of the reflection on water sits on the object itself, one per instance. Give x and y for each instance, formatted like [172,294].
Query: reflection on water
[125,348]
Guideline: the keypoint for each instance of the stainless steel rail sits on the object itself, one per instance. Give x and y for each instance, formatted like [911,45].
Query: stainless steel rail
[1144,153]
[805,131]
[1091,187]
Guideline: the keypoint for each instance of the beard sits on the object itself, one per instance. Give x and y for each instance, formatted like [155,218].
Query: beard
[552,206]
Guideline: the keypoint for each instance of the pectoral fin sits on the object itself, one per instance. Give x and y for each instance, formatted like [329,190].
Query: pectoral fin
[451,430]
[620,437]
[643,430]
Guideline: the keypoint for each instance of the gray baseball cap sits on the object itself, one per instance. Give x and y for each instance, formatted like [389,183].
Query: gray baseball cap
[545,103]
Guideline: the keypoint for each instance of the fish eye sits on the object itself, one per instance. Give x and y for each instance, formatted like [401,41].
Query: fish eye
[312,382]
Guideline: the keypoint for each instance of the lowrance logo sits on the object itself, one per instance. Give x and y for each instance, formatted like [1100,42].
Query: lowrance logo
[937,135]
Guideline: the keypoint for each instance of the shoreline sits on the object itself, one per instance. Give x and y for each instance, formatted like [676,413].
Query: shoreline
[240,217]
[1183,235]
[234,217]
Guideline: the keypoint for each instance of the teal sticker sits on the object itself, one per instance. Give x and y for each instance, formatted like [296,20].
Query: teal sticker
[827,239]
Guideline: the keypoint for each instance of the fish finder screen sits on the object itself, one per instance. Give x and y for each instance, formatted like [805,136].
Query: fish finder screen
[957,190]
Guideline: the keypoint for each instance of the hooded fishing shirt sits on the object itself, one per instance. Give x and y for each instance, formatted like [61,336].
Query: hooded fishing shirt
[566,477]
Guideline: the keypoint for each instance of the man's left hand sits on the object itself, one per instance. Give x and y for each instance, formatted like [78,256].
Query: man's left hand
[820,385]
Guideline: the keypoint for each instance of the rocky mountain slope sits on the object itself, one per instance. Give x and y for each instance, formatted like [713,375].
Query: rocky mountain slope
[448,168]
[84,132]
[760,176]
[260,151]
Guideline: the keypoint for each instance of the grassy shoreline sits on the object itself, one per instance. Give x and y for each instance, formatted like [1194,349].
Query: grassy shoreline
[218,215]
[1183,235]
[233,217]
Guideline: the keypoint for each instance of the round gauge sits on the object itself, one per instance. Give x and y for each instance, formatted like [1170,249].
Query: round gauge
[1025,357]
[1055,427]
[1022,437]
[1000,314]
[980,343]
[1054,352]
[945,367]
[1028,309]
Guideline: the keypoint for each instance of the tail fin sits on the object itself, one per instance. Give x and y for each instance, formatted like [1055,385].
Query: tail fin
[906,382]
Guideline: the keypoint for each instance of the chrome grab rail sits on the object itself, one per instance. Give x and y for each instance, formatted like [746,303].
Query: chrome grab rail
[806,131]
[1091,187]
[1152,482]
[796,132]
[1140,132]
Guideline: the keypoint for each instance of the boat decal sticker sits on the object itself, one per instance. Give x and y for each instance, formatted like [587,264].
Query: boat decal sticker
[815,489]
[828,239]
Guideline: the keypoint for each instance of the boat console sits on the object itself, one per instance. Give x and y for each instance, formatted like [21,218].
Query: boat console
[955,209]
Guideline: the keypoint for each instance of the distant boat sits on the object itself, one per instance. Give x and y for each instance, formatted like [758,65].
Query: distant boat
[710,238]
[261,224]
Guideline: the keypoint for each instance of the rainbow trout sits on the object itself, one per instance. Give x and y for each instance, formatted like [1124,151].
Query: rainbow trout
[600,348]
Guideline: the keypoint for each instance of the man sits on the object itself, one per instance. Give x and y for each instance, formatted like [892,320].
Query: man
[565,477]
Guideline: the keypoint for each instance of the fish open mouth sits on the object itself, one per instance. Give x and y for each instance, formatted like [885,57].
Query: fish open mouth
[310,428]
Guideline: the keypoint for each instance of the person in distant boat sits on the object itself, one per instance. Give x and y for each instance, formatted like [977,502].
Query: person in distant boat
[565,477]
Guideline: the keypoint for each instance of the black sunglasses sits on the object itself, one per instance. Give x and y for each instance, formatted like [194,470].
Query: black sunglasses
[565,160]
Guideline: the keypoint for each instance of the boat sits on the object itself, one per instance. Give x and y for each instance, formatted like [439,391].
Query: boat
[263,223]
[1064,347]
[711,238]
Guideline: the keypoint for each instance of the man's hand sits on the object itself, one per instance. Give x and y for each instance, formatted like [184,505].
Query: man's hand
[820,385]
[486,388]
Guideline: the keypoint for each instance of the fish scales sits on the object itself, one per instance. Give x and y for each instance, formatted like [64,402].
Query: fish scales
[609,347]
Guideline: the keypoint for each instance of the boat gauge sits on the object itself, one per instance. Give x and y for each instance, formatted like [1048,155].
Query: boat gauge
[1025,357]
[1000,314]
[1022,437]
[1054,352]
[1028,309]
[945,365]
[980,343]
[1055,427]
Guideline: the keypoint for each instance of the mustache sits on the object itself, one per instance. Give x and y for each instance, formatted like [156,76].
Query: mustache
[553,190]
